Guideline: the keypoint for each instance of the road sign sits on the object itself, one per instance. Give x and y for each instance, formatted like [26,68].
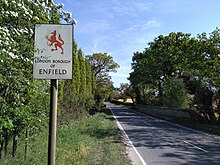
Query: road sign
[53,56]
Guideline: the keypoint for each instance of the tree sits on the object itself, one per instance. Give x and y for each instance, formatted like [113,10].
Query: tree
[16,50]
[78,96]
[122,90]
[131,93]
[71,101]
[101,65]
[89,97]
[175,66]
[23,101]
[175,94]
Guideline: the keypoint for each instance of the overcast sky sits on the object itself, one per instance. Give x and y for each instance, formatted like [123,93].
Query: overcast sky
[121,27]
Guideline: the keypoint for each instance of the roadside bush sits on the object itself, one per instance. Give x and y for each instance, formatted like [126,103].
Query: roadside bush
[175,94]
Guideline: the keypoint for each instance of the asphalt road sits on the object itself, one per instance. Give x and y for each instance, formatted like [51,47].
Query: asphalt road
[158,142]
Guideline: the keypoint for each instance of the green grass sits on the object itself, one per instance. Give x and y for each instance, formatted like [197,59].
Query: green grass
[92,141]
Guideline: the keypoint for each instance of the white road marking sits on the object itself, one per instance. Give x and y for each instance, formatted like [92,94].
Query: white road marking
[131,144]
[177,125]
[147,123]
[194,146]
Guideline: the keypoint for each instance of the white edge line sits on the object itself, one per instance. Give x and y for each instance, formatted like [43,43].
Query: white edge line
[121,129]
[195,146]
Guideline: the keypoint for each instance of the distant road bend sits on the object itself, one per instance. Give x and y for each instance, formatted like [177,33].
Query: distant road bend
[158,142]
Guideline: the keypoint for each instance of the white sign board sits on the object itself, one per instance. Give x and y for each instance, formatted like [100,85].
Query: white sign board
[53,56]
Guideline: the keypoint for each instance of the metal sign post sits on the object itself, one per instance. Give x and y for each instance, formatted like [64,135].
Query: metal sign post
[53,60]
[53,122]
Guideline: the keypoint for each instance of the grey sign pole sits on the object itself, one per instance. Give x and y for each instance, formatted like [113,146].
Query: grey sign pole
[53,122]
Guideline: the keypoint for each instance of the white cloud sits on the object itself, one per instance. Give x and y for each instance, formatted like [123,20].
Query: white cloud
[94,26]
[153,23]
[99,43]
[143,6]
[115,8]
[134,38]
[130,8]
[139,27]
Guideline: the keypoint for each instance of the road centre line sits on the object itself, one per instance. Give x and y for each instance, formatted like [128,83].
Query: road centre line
[194,146]
[131,144]
[186,128]
[177,125]
[147,123]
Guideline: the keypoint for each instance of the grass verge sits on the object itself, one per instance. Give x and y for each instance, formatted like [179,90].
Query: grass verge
[93,140]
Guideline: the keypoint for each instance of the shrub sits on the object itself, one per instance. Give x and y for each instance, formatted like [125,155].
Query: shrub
[175,95]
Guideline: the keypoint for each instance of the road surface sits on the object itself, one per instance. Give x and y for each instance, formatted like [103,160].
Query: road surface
[158,142]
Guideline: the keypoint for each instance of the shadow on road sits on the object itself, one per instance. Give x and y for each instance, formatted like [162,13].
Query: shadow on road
[171,143]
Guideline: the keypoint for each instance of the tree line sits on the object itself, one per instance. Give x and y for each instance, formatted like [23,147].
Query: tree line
[24,102]
[180,71]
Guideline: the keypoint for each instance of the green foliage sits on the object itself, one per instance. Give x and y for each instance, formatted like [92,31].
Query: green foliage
[24,102]
[170,64]
[175,94]
[84,142]
[89,97]
[82,89]
[125,91]
[76,75]
[61,86]
[101,65]
[78,95]
[20,95]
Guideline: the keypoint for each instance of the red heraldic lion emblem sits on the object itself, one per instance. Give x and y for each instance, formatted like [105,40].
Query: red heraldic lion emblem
[53,41]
